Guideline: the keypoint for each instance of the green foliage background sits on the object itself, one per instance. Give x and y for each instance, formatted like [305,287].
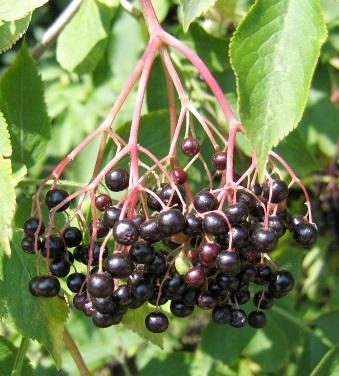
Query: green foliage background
[48,105]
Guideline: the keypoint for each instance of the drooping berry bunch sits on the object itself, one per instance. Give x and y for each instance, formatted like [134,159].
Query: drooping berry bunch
[151,238]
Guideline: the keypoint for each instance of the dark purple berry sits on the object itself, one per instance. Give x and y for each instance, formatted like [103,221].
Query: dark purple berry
[123,295]
[100,285]
[72,236]
[281,283]
[179,175]
[246,198]
[220,160]
[142,253]
[257,319]
[125,232]
[190,146]
[75,282]
[156,322]
[102,230]
[28,244]
[237,212]
[149,231]
[111,216]
[195,277]
[239,318]
[33,286]
[54,245]
[208,253]
[179,309]
[102,202]
[204,201]
[264,240]
[279,190]
[104,304]
[171,222]
[47,286]
[159,264]
[79,301]
[262,300]
[174,285]
[305,234]
[206,300]
[277,224]
[228,262]
[60,267]
[214,224]
[222,315]
[142,291]
[193,225]
[117,179]
[119,265]
[54,197]
[31,226]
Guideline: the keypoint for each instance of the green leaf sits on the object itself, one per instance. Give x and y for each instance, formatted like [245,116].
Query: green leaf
[329,364]
[12,31]
[8,353]
[25,110]
[326,323]
[134,319]
[82,43]
[36,318]
[156,88]
[7,185]
[274,53]
[193,9]
[225,343]
[167,364]
[14,10]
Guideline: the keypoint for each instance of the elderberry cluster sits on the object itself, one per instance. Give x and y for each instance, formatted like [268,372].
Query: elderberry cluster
[204,253]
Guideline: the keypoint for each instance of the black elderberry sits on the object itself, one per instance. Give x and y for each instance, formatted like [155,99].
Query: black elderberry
[281,283]
[142,291]
[79,301]
[227,282]
[100,285]
[125,232]
[33,286]
[81,253]
[47,286]
[179,309]
[156,322]
[149,230]
[28,244]
[174,285]
[305,234]
[257,319]
[237,212]
[152,202]
[205,201]
[123,295]
[169,195]
[238,319]
[171,222]
[206,300]
[88,308]
[54,245]
[159,264]
[111,216]
[72,236]
[214,223]
[75,282]
[195,277]
[262,300]
[142,253]
[60,267]
[248,274]
[102,202]
[190,146]
[138,219]
[31,226]
[117,179]
[239,236]
[193,225]
[279,190]
[54,197]
[220,160]
[189,297]
[263,275]
[264,239]
[119,265]
[277,223]
[240,297]
[104,304]
[246,198]
[208,253]
[101,229]
[156,300]
[105,320]
[228,262]
[222,314]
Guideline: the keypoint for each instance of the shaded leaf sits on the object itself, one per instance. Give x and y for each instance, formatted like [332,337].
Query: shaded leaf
[14,10]
[193,9]
[36,318]
[274,54]
[329,364]
[25,110]
[12,31]
[170,364]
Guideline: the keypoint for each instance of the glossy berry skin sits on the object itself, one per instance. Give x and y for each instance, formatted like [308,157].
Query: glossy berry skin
[101,229]
[123,295]
[238,319]
[60,267]
[171,222]
[279,190]
[31,226]
[119,265]
[257,319]
[72,237]
[248,274]
[305,234]
[189,297]
[206,300]
[104,304]
[190,146]
[237,212]
[263,300]
[125,232]
[28,244]
[47,286]
[55,245]
[79,301]
[277,224]
[214,224]
[88,308]
[142,253]
[33,286]
[117,179]
[154,298]
[142,291]
[111,216]
[241,297]
[105,320]
[75,281]
[170,196]
[220,160]
[228,262]
[174,285]
[179,309]
[263,275]
[281,283]
[195,277]
[149,230]
[264,240]
[54,197]
[204,201]
[159,264]
[193,226]
[239,236]
[100,285]
[227,282]
[246,198]
[179,175]
[102,202]
[222,315]
[152,202]
[208,253]
[156,322]
[138,219]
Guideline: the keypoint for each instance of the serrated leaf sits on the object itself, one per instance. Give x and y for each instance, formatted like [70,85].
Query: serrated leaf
[82,43]
[23,106]
[36,318]
[274,53]
[14,10]
[7,185]
[12,31]
[8,354]
[134,319]
[193,9]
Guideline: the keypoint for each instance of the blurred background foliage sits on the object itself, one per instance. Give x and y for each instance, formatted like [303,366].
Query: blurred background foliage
[302,337]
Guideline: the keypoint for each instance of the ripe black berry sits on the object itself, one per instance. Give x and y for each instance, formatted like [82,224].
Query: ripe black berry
[279,190]
[189,297]
[277,223]
[33,286]
[47,286]
[100,285]
[206,300]
[125,232]
[31,226]
[305,234]
[239,236]
[105,320]
[257,319]
[104,304]
[205,201]
[75,281]
[60,267]
[171,222]
[158,265]
[170,196]
[264,240]
[28,244]
[117,179]
[142,253]
[55,245]
[54,197]
[246,198]
[138,220]
[209,253]
[102,202]
[239,318]
[227,282]
[88,308]
[228,262]
[156,322]
[179,175]
[190,146]
[142,291]
[123,295]
[214,224]
[152,202]
[222,315]
[193,225]
[149,230]
[111,216]
[263,275]
[174,285]
[72,237]
[102,230]
[79,301]
[220,160]
[281,283]
[262,300]
[195,277]
[119,265]
[179,309]
[237,212]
